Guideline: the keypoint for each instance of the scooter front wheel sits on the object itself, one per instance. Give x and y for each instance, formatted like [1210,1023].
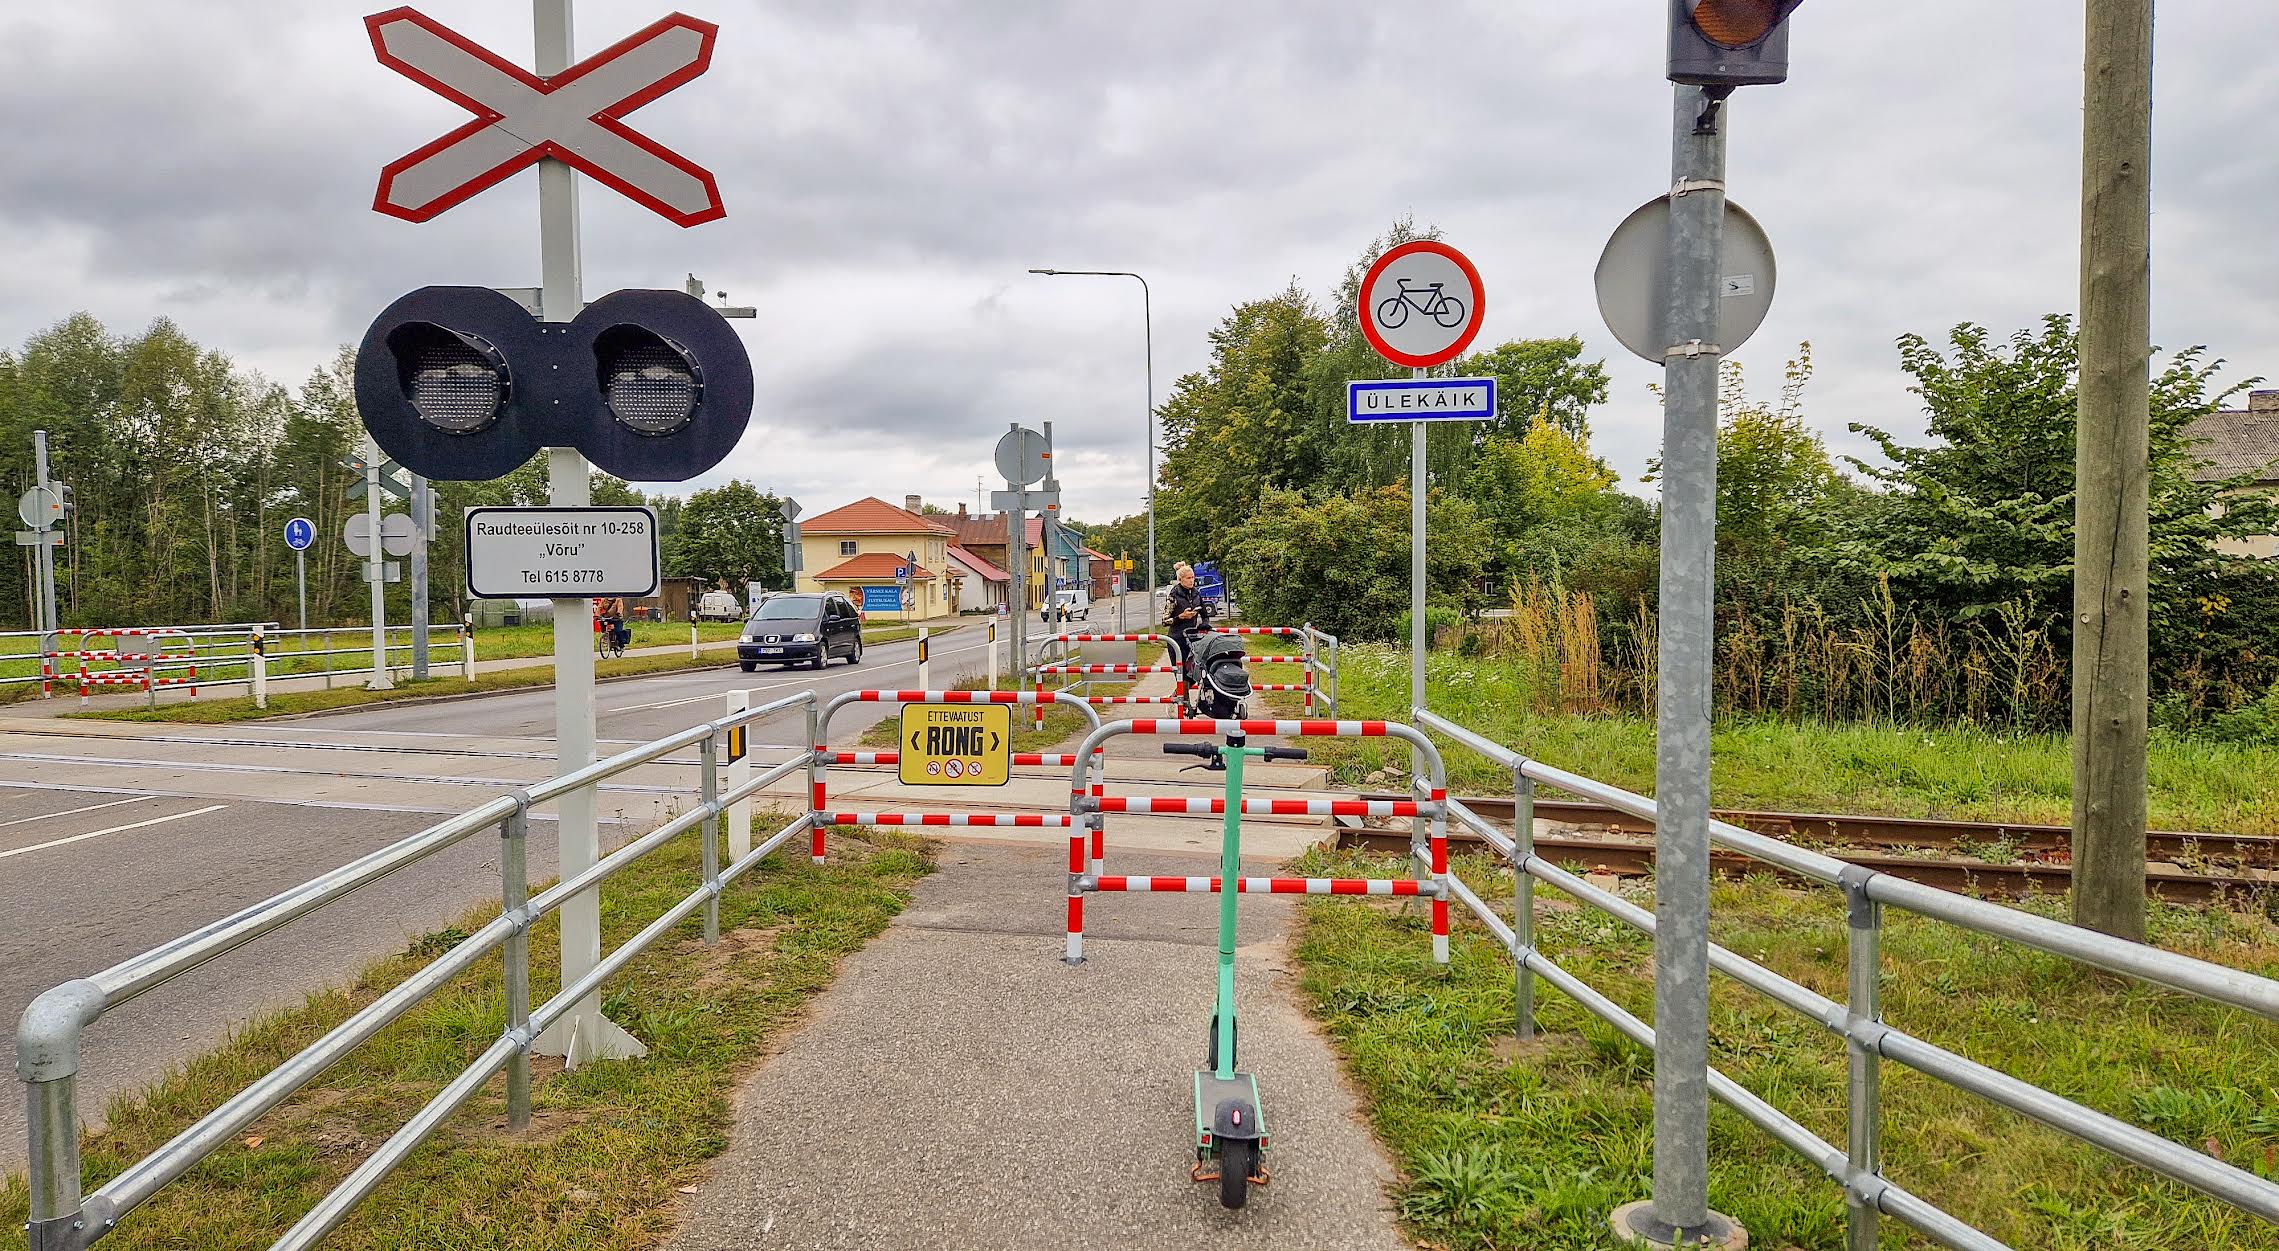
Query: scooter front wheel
[1238,1159]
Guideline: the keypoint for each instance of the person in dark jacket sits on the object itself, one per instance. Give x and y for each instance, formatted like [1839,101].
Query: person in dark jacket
[1185,617]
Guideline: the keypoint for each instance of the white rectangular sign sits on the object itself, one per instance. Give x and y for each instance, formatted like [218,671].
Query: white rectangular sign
[1421,399]
[560,553]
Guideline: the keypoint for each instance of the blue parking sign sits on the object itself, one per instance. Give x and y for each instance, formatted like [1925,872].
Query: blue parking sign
[299,533]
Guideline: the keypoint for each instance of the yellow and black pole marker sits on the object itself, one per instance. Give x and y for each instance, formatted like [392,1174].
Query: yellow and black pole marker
[736,743]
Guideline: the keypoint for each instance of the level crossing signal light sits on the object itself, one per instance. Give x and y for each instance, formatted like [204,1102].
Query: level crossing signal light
[1729,43]
[463,384]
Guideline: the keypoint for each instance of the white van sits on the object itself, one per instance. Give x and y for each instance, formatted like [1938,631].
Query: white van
[1075,602]
[719,606]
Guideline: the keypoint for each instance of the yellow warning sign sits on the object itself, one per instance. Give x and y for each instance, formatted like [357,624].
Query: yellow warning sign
[957,744]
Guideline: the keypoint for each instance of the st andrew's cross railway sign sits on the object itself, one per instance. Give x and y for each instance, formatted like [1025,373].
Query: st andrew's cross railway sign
[575,117]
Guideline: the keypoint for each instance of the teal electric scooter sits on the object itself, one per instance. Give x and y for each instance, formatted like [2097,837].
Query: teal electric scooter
[1229,1131]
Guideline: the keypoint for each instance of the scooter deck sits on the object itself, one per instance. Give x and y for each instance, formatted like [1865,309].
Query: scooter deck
[1210,1092]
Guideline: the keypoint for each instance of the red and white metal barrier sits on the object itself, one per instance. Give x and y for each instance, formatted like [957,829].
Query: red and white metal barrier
[1092,801]
[1266,807]
[1046,759]
[1008,820]
[1267,885]
[143,679]
[820,756]
[1309,661]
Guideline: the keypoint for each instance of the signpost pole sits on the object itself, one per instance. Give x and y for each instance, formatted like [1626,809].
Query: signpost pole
[584,1034]
[422,518]
[1682,702]
[1418,489]
[301,589]
[376,568]
[44,556]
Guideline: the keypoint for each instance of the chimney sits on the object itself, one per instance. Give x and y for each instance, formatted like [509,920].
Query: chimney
[2263,401]
[911,502]
[961,510]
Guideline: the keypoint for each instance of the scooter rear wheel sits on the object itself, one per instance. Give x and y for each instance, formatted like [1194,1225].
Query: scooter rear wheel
[1238,1159]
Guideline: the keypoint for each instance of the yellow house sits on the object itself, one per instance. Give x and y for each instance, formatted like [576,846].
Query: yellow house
[857,549]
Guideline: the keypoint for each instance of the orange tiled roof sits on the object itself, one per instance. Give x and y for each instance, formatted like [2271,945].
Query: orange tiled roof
[989,572]
[871,515]
[871,566]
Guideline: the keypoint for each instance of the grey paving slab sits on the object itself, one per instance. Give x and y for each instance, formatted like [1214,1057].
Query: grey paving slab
[958,1087]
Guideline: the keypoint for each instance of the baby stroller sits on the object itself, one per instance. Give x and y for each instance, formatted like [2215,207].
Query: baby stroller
[1218,679]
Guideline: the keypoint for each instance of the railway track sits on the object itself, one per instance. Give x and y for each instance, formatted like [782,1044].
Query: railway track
[2003,859]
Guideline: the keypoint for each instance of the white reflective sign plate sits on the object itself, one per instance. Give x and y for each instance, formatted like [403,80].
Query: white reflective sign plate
[561,553]
[1428,399]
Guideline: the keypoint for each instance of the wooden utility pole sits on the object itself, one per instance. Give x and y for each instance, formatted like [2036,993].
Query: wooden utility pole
[2111,490]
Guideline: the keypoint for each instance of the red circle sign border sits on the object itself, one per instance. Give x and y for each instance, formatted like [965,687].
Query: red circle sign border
[1463,341]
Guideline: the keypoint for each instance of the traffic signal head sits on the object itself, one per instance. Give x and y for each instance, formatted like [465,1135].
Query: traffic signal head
[1729,43]
[463,384]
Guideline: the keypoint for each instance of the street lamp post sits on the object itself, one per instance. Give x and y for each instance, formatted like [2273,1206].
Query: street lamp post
[1147,319]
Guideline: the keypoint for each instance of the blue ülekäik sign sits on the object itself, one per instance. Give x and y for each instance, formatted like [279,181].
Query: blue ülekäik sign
[1423,399]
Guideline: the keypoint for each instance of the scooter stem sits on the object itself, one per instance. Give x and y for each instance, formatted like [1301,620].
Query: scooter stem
[1230,879]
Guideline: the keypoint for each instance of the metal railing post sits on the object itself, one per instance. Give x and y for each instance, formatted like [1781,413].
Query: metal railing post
[514,894]
[708,764]
[1864,1089]
[327,658]
[47,1059]
[1522,903]
[466,653]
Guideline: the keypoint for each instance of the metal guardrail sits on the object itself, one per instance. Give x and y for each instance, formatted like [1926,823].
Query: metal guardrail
[47,1038]
[223,655]
[1857,1165]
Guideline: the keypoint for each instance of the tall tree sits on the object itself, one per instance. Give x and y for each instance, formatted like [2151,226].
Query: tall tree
[732,534]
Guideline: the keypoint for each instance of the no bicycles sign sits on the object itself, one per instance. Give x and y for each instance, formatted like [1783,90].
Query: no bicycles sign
[1421,304]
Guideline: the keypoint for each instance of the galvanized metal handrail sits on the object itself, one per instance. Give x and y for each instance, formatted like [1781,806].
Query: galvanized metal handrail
[47,1040]
[1857,1167]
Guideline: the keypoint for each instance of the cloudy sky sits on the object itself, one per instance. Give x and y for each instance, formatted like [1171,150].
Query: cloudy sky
[892,167]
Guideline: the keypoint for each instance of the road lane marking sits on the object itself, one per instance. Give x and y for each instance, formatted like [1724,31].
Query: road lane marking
[116,829]
[342,805]
[49,816]
[198,766]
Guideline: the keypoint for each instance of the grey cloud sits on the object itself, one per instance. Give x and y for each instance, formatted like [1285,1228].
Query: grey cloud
[891,168]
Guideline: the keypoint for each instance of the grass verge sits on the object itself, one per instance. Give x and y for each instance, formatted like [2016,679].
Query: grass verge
[609,1143]
[286,704]
[1509,1147]
[1964,774]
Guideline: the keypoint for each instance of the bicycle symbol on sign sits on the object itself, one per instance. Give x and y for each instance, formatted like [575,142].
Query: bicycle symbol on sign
[1430,300]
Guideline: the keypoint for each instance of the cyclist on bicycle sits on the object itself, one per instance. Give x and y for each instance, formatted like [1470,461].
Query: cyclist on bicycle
[609,617]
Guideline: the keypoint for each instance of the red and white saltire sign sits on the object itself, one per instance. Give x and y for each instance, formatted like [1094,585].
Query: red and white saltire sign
[576,116]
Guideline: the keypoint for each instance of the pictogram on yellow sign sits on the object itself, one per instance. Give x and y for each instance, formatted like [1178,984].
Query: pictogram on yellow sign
[957,744]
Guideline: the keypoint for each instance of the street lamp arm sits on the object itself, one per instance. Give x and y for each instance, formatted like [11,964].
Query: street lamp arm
[1147,316]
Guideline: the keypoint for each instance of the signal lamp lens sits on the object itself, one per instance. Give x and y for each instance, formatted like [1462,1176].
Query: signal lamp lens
[1736,23]
[456,382]
[648,383]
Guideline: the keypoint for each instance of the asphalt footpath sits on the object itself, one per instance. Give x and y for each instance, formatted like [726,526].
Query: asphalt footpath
[958,1086]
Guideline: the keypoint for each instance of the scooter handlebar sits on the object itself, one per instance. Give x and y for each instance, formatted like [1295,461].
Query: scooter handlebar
[1284,753]
[1205,750]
